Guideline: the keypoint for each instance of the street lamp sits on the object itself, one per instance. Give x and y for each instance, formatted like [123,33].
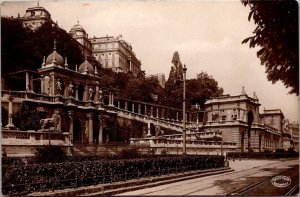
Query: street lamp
[183,111]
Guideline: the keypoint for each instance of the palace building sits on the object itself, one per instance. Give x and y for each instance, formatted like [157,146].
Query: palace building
[238,116]
[115,53]
[110,52]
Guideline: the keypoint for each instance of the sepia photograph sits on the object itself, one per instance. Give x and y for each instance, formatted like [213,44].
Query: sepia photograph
[145,97]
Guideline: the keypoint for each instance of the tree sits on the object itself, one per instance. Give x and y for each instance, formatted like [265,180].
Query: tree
[198,90]
[202,88]
[24,49]
[174,86]
[276,34]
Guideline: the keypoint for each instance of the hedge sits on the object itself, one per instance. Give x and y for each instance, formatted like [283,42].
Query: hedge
[23,179]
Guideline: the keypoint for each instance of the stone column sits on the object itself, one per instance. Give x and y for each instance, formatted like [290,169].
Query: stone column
[10,111]
[272,141]
[177,116]
[130,65]
[157,112]
[126,106]
[112,98]
[100,137]
[149,129]
[96,97]
[132,107]
[119,104]
[27,82]
[31,83]
[90,128]
[71,128]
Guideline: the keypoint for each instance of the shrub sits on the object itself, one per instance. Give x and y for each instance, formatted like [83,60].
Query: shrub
[45,176]
[129,153]
[48,154]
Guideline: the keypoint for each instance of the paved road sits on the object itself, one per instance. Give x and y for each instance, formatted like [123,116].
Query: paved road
[246,173]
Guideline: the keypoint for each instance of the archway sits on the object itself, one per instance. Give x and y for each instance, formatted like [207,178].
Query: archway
[250,119]
[78,133]
[80,92]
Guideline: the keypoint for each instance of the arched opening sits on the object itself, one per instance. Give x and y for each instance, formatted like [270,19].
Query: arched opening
[80,92]
[78,133]
[250,119]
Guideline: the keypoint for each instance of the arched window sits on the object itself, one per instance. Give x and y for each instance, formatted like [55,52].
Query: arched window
[80,92]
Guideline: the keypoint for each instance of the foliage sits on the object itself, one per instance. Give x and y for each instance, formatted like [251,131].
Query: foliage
[198,90]
[126,85]
[28,118]
[24,49]
[174,86]
[202,88]
[129,153]
[21,178]
[277,36]
[49,154]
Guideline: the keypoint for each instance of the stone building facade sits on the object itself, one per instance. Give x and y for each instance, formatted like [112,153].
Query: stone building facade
[109,51]
[161,79]
[233,114]
[115,53]
[293,128]
[79,34]
[35,17]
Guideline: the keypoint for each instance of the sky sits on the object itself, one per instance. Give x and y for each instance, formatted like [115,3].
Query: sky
[207,35]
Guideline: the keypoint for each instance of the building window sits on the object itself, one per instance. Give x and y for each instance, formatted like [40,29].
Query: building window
[109,53]
[223,118]
[234,117]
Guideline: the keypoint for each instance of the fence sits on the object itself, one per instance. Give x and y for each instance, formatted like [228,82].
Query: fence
[23,179]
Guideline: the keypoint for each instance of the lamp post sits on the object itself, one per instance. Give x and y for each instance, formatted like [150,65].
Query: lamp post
[184,117]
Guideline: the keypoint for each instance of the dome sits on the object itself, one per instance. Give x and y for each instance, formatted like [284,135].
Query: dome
[76,28]
[55,56]
[86,68]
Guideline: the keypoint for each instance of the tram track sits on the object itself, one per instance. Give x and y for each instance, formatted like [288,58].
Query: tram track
[232,176]
[245,191]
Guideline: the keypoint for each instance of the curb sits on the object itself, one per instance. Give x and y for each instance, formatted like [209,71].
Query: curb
[131,185]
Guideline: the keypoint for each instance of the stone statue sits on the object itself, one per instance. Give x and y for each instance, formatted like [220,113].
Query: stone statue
[100,95]
[59,86]
[91,92]
[157,130]
[53,122]
[71,89]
